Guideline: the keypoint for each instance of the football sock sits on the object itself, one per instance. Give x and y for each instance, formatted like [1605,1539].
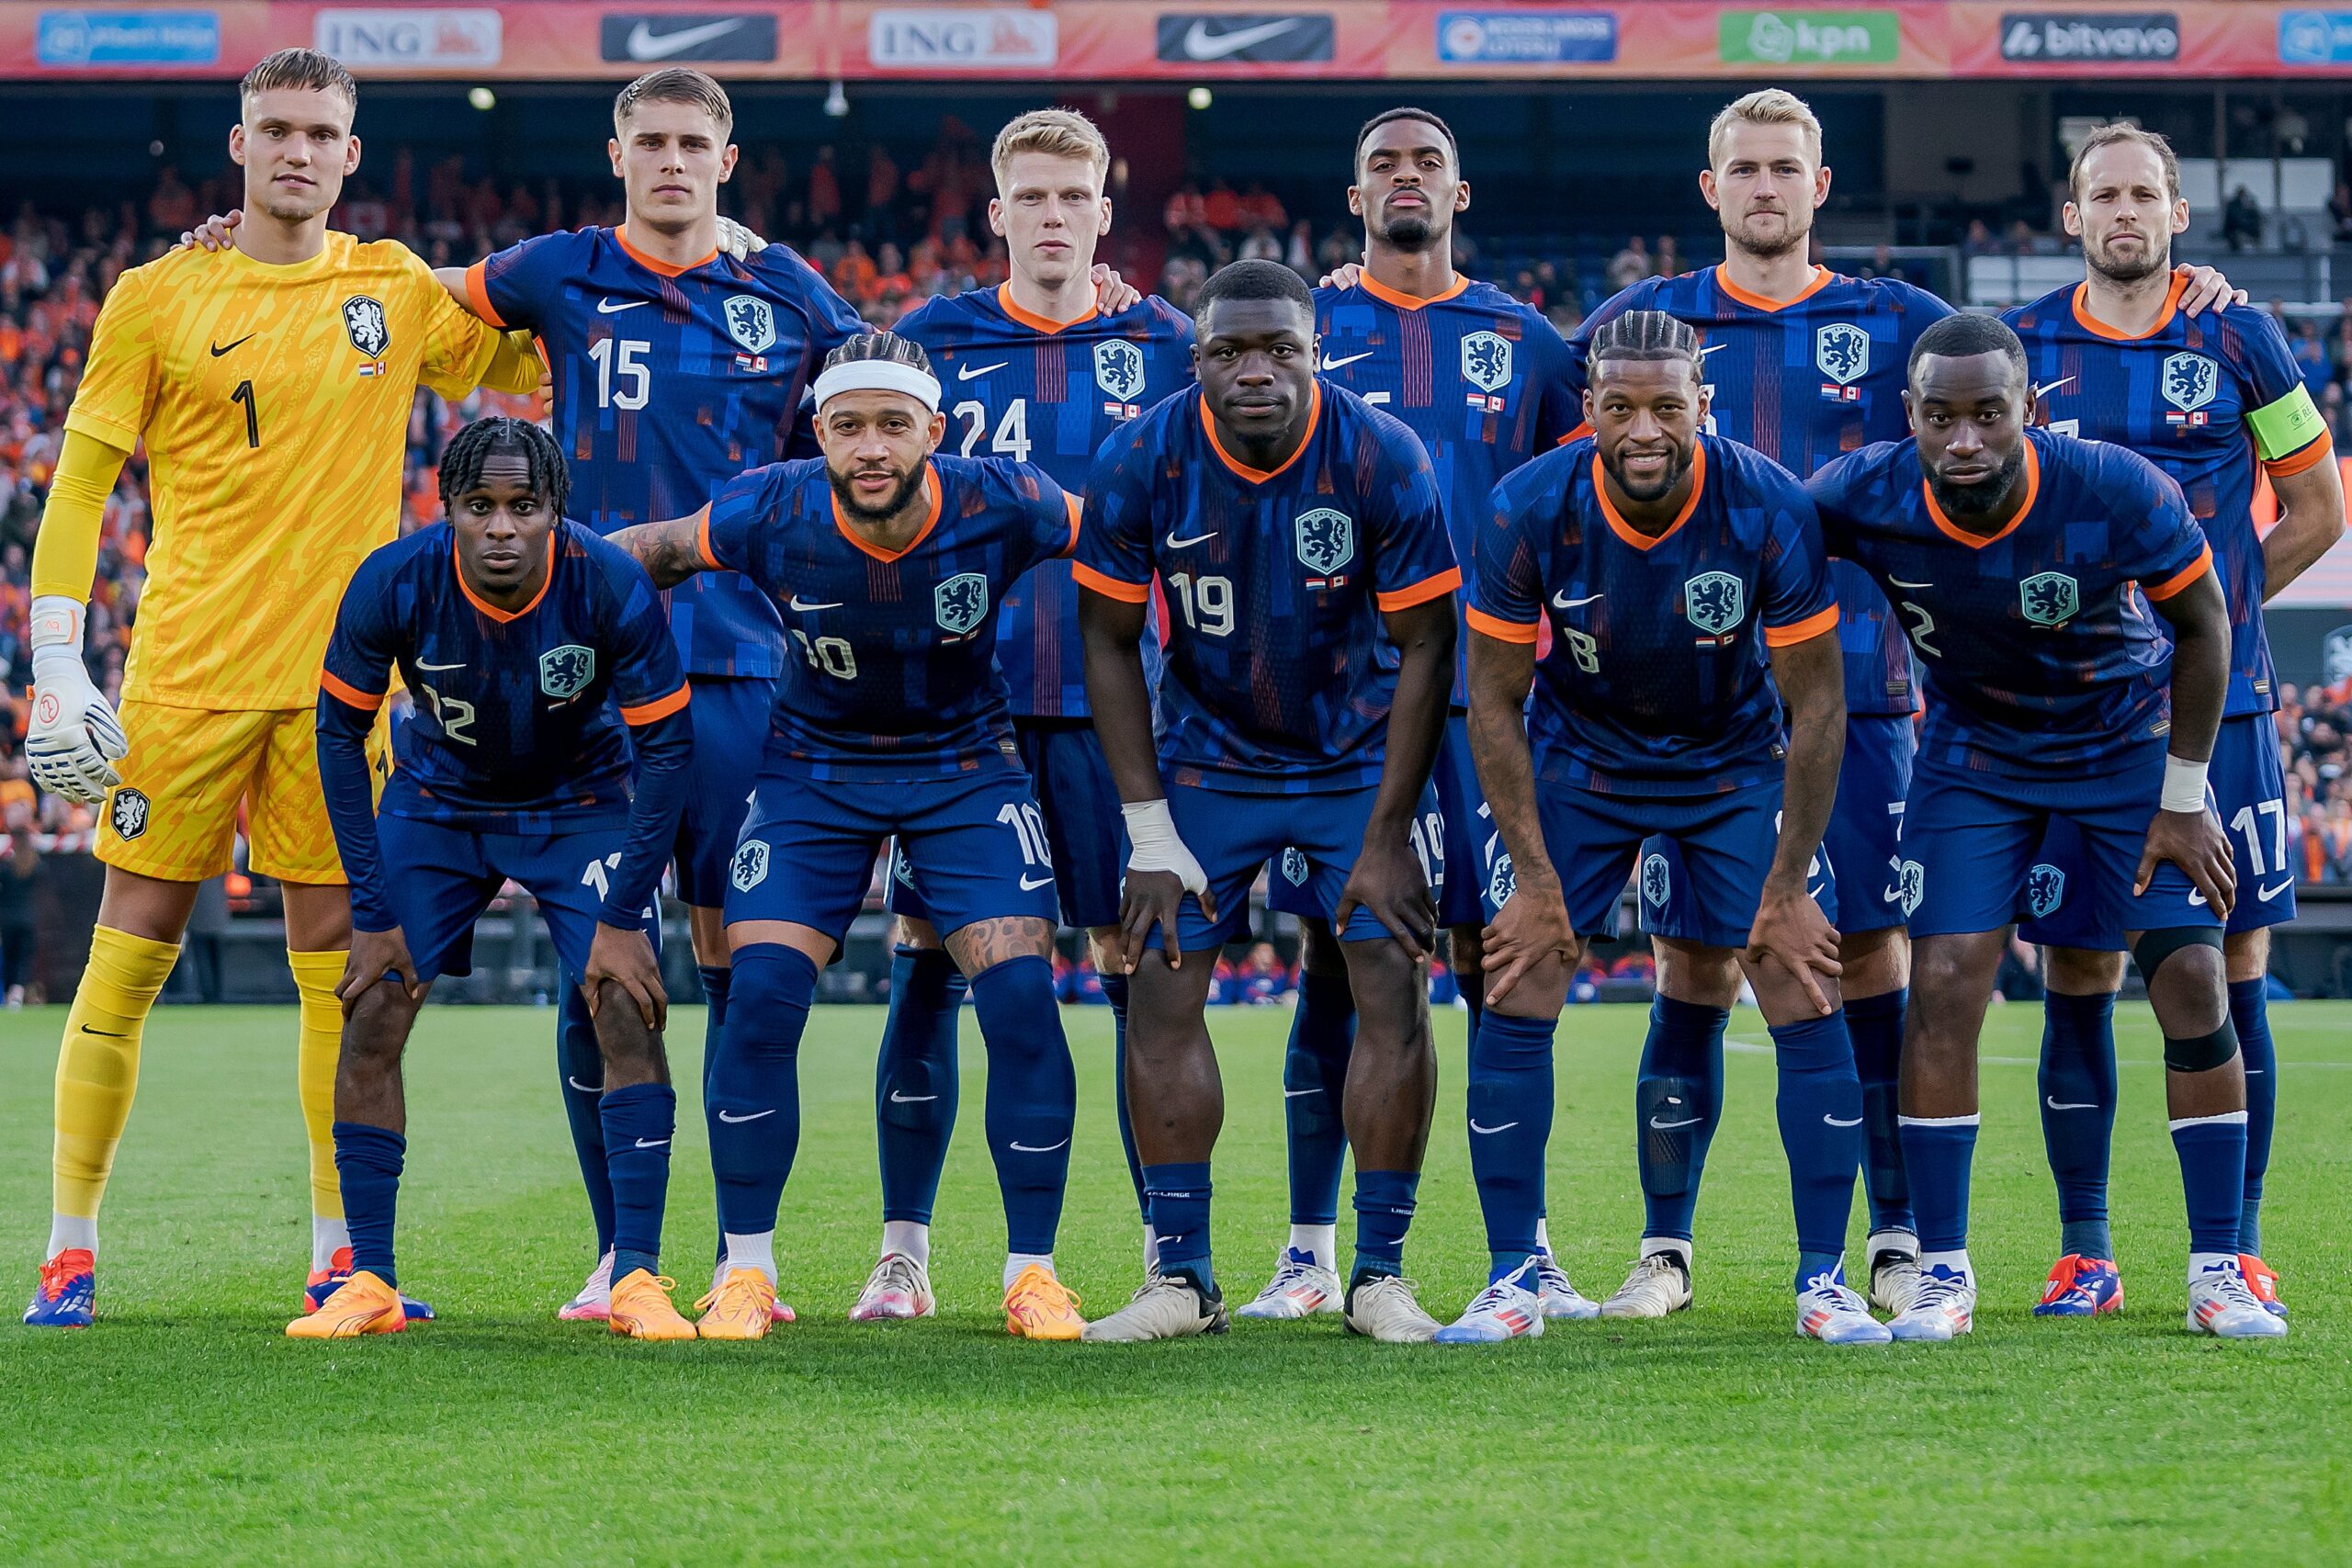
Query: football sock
[1179,1195]
[1510,1101]
[317,1050]
[717,980]
[754,1249]
[1384,1205]
[2250,1011]
[97,1070]
[1015,1262]
[1875,1026]
[2212,1176]
[908,1238]
[1678,1100]
[2079,1099]
[639,1122]
[1032,1096]
[915,1080]
[327,1238]
[1119,1104]
[1819,1105]
[1314,1080]
[579,1066]
[369,1159]
[1319,1242]
[1938,1151]
[754,1097]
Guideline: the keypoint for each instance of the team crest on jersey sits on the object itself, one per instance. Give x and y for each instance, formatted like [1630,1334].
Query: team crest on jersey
[1714,601]
[1294,868]
[961,603]
[1326,541]
[751,867]
[1118,369]
[128,814]
[564,672]
[2045,890]
[1657,880]
[2049,598]
[1501,881]
[1486,360]
[1842,351]
[2188,381]
[751,322]
[364,323]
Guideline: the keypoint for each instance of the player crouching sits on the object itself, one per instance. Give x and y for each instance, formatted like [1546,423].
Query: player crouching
[529,643]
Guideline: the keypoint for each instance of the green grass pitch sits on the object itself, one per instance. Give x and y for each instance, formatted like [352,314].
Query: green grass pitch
[186,1429]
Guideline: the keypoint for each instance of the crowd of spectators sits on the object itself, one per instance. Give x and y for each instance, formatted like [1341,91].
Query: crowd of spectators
[2315,746]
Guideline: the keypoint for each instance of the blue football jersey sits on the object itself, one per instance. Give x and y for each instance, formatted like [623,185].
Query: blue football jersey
[2041,658]
[1804,382]
[895,678]
[1481,377]
[2204,398]
[1015,385]
[1275,584]
[1659,678]
[668,382]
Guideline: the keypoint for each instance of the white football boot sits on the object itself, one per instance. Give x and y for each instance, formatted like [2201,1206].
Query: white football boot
[898,1288]
[1168,1306]
[1300,1287]
[1659,1285]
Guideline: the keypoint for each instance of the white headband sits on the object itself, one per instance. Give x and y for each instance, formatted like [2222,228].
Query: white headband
[878,376]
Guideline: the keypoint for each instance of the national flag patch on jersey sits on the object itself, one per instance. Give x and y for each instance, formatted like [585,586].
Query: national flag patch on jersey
[1834,393]
[2193,420]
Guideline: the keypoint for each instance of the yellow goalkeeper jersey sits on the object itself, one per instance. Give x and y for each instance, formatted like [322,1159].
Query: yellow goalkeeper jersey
[275,404]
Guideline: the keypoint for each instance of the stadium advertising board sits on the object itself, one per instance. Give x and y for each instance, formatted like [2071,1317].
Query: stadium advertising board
[1138,41]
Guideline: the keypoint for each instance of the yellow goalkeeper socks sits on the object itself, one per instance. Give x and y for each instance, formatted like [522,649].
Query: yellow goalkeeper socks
[316,976]
[97,1073]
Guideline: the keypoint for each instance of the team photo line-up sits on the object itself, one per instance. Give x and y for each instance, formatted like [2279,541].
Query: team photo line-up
[1820,611]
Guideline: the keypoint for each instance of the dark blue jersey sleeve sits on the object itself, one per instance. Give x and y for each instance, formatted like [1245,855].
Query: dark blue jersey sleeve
[1115,555]
[734,515]
[1412,559]
[1506,589]
[2161,546]
[352,684]
[1052,514]
[1800,599]
[650,689]
[519,286]
[833,320]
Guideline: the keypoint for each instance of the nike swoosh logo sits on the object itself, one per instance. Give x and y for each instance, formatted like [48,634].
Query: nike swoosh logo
[1020,1148]
[2266,893]
[2069,1105]
[1893,894]
[1833,1122]
[653,1142]
[1669,1126]
[1202,44]
[754,1116]
[218,350]
[897,1098]
[421,664]
[1331,364]
[109,1033]
[1900,583]
[804,608]
[644,43]
[2045,391]
[1710,348]
[615,307]
[1504,1128]
[1295,1093]
[1176,544]
[2196,898]
[1031,883]
[974,372]
[1562,602]
[585,1088]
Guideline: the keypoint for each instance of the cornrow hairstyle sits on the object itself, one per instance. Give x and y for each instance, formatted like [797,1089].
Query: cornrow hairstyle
[1252,280]
[1387,117]
[1961,337]
[461,463]
[1642,334]
[888,348]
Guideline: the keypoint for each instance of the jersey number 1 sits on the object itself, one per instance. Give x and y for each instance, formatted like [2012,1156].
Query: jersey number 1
[245,394]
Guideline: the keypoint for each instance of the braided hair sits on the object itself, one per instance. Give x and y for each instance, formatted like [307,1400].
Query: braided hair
[1642,334]
[461,463]
[888,348]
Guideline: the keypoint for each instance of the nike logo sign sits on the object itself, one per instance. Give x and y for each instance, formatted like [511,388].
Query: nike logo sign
[897,1098]
[1833,1122]
[2056,1104]
[1669,1126]
[2197,899]
[653,1142]
[615,307]
[805,608]
[109,1033]
[1176,544]
[1485,1131]
[732,1119]
[1331,364]
[1031,883]
[2045,391]
[1295,1093]
[585,1088]
[421,664]
[2266,894]
[973,372]
[1710,348]
[1202,44]
[644,43]
[220,349]
[1020,1148]
[1562,602]
[1900,583]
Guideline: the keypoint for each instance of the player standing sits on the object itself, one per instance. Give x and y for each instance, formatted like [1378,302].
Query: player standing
[1683,578]
[1484,381]
[892,564]
[1044,373]
[530,644]
[1289,524]
[2114,358]
[2025,564]
[272,386]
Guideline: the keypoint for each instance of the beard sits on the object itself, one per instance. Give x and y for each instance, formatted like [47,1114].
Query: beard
[2153,260]
[1977,499]
[1409,234]
[1678,464]
[907,482]
[1768,247]
[291,209]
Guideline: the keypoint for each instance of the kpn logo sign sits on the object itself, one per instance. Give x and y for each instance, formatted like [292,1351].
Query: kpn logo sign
[1809,38]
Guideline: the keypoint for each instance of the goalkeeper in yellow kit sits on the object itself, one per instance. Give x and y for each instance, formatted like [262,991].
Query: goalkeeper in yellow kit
[272,386]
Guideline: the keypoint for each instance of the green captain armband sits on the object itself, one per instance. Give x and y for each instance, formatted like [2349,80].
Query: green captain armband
[2286,427]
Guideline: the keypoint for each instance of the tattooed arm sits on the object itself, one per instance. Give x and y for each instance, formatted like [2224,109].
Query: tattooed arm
[671,552]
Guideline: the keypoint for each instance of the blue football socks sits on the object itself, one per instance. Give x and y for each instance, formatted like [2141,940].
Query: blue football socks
[1032,1097]
[1678,1100]
[752,1099]
[915,1080]
[2078,1098]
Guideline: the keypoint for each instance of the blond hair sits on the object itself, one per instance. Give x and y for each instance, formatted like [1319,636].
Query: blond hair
[2122,132]
[1057,133]
[675,85]
[302,68]
[1766,106]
